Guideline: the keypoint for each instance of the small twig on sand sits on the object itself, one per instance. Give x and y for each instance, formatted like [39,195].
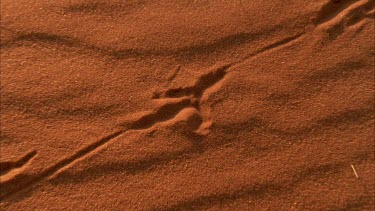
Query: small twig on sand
[355,172]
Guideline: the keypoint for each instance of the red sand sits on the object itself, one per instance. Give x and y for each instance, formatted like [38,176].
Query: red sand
[181,105]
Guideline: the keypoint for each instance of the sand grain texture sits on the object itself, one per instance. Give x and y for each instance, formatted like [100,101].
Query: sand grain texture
[187,105]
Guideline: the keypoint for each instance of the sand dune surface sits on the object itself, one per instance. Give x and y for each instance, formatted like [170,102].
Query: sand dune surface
[187,105]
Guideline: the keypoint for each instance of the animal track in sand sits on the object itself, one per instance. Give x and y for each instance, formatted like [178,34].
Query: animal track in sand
[196,92]
[184,104]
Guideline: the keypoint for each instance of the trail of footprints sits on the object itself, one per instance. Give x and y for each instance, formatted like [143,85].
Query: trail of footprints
[180,104]
[184,102]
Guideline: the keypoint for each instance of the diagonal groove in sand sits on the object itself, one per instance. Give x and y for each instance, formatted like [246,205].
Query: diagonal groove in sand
[7,166]
[211,78]
[341,10]
[202,84]
[57,166]
[338,17]
[331,9]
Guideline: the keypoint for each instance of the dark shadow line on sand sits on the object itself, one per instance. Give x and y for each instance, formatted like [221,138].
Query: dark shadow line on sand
[221,44]
[257,190]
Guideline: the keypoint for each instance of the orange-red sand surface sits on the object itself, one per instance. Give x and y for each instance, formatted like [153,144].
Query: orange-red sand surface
[187,105]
